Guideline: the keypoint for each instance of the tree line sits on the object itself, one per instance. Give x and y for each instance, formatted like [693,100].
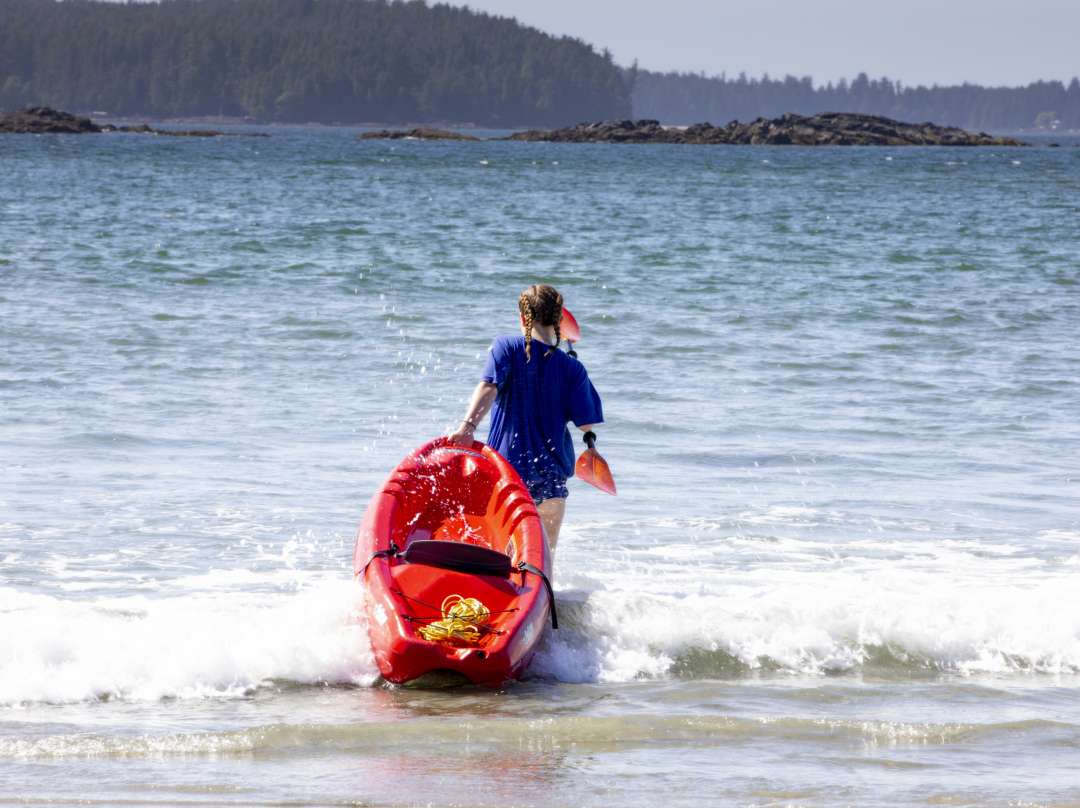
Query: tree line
[353,61]
[681,98]
[343,61]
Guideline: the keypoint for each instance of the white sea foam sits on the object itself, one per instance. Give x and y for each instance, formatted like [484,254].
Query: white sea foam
[711,605]
[827,622]
[722,604]
[217,645]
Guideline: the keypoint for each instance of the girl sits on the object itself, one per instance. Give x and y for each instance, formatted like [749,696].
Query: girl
[536,389]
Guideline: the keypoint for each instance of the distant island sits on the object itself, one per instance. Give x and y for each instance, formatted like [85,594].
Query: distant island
[826,129]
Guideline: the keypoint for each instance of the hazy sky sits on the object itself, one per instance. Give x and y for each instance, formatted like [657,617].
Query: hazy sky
[919,42]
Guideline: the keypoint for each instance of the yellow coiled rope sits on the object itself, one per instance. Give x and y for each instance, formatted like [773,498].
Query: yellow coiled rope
[461,621]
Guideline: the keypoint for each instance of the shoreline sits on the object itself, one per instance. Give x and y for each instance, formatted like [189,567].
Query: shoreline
[827,129]
[455,126]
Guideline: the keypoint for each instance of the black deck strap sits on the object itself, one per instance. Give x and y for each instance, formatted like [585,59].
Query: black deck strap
[524,566]
[390,552]
[458,556]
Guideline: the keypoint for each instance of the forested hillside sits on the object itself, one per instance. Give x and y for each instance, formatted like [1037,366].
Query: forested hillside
[300,60]
[351,61]
[690,98]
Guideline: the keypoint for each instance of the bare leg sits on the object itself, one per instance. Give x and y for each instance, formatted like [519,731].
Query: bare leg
[551,515]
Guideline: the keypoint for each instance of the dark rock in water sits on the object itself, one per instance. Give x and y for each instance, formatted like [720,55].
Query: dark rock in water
[415,134]
[826,129]
[43,120]
[190,133]
[643,131]
[140,129]
[145,129]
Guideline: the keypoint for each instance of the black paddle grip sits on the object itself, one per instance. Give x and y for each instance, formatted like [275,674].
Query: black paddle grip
[590,439]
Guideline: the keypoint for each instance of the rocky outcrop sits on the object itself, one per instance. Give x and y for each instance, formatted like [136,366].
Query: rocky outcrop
[145,129]
[45,120]
[826,129]
[643,131]
[415,134]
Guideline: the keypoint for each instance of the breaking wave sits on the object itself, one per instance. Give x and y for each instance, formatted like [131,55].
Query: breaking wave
[650,614]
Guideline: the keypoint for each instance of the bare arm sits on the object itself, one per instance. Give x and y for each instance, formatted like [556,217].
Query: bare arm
[482,399]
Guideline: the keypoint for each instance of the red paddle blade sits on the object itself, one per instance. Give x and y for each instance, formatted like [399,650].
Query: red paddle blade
[593,469]
[568,328]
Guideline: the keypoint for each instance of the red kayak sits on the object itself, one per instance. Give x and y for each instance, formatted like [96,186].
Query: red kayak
[455,567]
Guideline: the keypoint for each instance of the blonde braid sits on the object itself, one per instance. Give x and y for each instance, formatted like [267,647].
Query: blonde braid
[525,306]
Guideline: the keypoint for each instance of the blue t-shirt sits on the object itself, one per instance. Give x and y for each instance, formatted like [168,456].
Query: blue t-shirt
[535,401]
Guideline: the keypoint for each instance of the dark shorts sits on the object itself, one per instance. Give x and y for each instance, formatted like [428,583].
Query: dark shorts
[548,489]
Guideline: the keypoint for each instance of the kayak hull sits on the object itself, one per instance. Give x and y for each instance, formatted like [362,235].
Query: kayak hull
[464,496]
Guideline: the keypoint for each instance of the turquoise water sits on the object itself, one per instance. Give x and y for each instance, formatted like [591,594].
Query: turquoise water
[842,398]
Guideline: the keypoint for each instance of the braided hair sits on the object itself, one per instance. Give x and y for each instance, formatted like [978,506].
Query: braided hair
[541,304]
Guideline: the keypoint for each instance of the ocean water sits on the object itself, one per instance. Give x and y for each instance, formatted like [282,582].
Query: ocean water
[843,411]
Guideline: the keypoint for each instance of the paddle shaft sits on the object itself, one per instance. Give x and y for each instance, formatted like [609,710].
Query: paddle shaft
[590,466]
